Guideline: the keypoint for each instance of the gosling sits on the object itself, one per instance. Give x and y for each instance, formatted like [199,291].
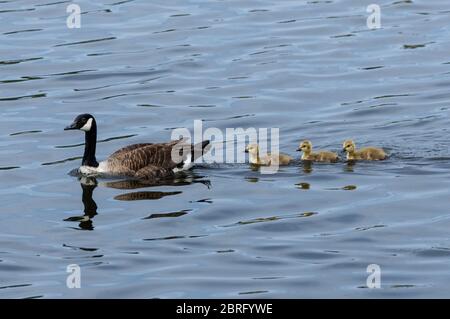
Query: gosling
[267,160]
[322,156]
[366,153]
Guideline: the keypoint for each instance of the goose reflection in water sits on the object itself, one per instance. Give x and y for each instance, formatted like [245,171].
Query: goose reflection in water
[90,207]
[88,184]
[350,166]
[182,180]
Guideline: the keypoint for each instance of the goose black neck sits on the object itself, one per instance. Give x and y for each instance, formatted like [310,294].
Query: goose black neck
[90,207]
[90,146]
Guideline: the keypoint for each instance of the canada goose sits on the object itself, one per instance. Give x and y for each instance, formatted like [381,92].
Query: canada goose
[366,153]
[309,155]
[267,160]
[142,161]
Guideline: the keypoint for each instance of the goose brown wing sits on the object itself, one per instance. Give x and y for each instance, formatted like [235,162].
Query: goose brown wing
[139,157]
[128,148]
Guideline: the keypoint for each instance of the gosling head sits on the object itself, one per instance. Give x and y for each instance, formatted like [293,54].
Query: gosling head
[252,149]
[348,146]
[305,147]
[83,122]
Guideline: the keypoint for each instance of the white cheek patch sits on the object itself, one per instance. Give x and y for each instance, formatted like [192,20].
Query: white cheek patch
[87,127]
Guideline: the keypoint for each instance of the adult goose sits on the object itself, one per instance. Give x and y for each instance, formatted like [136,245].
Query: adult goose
[143,161]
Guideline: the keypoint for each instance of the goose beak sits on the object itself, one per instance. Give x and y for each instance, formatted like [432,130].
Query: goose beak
[72,126]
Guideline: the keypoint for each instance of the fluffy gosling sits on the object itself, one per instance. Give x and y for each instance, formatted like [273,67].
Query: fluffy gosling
[366,153]
[322,156]
[267,160]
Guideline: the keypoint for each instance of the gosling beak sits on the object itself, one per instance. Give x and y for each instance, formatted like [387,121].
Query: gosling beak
[246,150]
[299,149]
[72,126]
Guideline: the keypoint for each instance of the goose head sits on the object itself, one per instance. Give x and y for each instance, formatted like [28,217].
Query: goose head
[86,123]
[305,146]
[252,149]
[348,146]
[83,122]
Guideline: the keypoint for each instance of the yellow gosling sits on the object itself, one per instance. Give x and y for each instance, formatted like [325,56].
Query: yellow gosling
[322,156]
[267,160]
[366,153]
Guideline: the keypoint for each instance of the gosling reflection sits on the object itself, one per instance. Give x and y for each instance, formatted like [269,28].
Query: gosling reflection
[252,179]
[307,167]
[350,166]
[90,207]
[303,186]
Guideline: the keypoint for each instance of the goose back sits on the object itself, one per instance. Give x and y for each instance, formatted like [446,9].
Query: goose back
[150,161]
